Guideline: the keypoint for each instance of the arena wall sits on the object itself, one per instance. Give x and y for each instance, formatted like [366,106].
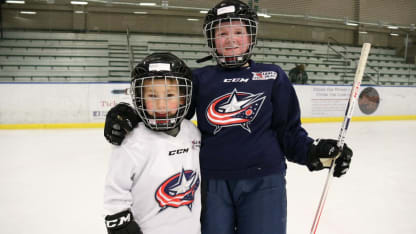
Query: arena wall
[312,21]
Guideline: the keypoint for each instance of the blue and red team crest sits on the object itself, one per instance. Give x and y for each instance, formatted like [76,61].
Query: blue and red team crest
[178,190]
[234,109]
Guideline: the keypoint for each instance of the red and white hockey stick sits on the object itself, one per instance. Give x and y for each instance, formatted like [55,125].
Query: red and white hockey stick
[347,118]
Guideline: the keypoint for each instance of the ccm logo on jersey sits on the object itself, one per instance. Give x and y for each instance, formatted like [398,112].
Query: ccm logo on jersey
[178,151]
[236,80]
[266,75]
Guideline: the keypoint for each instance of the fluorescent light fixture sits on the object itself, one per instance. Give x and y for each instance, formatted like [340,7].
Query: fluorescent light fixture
[351,24]
[147,4]
[192,19]
[362,32]
[203,12]
[394,34]
[15,2]
[392,27]
[264,15]
[78,12]
[28,12]
[79,3]
[140,12]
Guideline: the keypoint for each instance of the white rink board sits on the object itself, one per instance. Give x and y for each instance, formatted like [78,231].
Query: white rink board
[393,101]
[25,103]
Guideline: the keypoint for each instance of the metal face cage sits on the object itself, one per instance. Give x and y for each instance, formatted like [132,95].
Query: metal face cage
[161,101]
[231,25]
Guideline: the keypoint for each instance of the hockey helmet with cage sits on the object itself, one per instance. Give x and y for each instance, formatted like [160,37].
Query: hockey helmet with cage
[228,11]
[167,71]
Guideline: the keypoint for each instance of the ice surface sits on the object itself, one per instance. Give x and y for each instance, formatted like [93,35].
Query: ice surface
[51,182]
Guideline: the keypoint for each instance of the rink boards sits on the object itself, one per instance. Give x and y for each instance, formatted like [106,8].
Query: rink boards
[84,105]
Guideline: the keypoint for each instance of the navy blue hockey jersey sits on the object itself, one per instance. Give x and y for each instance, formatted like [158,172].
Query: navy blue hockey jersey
[249,118]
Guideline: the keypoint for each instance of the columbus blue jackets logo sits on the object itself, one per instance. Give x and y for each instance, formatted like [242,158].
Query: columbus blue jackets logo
[234,109]
[178,190]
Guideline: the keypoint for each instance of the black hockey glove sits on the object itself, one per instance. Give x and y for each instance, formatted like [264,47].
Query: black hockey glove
[120,120]
[122,223]
[323,151]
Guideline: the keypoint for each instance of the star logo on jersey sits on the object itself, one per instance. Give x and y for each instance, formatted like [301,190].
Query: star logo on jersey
[178,190]
[234,109]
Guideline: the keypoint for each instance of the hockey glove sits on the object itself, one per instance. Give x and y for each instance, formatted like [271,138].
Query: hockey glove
[323,151]
[120,120]
[122,223]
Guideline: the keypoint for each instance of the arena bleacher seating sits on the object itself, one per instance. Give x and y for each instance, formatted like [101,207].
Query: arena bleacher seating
[47,56]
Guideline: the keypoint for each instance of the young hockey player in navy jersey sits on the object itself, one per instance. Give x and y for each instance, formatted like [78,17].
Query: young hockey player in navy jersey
[153,180]
[249,117]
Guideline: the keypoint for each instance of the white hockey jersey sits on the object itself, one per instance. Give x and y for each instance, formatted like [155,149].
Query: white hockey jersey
[157,176]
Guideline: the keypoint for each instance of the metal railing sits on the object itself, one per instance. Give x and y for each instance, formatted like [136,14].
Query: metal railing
[129,51]
[339,44]
[341,54]
[347,61]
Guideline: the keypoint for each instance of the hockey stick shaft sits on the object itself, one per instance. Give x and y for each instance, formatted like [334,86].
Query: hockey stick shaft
[341,138]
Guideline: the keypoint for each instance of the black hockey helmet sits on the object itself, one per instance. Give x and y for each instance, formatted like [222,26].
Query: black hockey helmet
[174,73]
[227,11]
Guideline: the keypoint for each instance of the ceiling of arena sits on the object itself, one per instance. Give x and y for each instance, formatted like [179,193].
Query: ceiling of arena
[329,10]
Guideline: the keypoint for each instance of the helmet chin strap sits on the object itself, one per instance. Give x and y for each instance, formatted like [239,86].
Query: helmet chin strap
[204,59]
[173,132]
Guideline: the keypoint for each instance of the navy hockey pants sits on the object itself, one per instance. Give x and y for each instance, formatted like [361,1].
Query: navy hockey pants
[245,206]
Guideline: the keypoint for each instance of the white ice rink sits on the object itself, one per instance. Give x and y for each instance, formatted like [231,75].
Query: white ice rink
[51,182]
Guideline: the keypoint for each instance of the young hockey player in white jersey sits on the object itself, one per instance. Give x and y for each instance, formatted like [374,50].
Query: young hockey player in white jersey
[153,180]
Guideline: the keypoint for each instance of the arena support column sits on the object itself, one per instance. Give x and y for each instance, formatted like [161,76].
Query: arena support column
[1,19]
